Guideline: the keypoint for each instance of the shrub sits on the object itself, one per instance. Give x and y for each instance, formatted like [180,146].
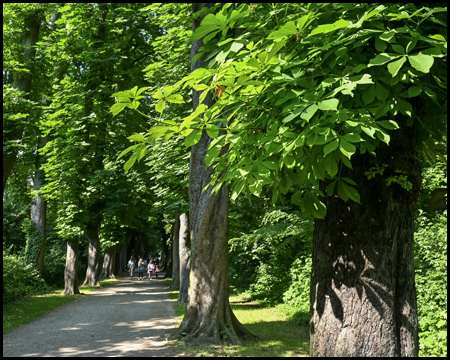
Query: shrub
[431,283]
[20,279]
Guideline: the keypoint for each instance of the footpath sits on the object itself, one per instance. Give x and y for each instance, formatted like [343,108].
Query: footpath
[128,318]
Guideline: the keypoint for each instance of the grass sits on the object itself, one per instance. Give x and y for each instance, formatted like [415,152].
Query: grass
[32,307]
[280,336]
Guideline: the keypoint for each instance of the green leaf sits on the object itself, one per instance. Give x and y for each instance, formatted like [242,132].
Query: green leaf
[158,95]
[331,165]
[136,137]
[212,155]
[387,36]
[309,112]
[414,91]
[133,158]
[176,99]
[193,138]
[380,92]
[212,131]
[380,59]
[421,62]
[204,30]
[160,105]
[287,29]
[331,146]
[169,90]
[236,46]
[388,124]
[293,114]
[395,66]
[312,206]
[127,150]
[346,148]
[302,21]
[368,95]
[141,90]
[329,104]
[329,27]
[349,191]
[352,137]
[117,108]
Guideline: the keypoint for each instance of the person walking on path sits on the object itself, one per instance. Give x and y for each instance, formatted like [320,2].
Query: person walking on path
[141,269]
[156,262]
[151,269]
[131,266]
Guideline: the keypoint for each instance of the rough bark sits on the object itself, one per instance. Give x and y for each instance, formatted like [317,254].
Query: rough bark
[176,254]
[185,255]
[70,272]
[108,263]
[208,317]
[122,263]
[92,274]
[22,82]
[363,296]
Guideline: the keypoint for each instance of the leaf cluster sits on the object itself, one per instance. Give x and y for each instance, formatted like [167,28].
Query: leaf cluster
[298,100]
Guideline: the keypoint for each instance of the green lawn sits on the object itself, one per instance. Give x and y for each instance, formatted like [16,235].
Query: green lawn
[279,335]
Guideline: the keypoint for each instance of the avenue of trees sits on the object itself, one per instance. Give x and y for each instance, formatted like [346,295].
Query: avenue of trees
[294,151]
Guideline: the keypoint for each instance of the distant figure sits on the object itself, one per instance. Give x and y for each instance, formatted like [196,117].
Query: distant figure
[151,269]
[141,270]
[156,262]
[131,266]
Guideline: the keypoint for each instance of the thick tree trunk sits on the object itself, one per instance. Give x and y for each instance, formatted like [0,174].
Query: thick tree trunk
[363,296]
[70,272]
[22,82]
[176,254]
[185,255]
[122,263]
[208,317]
[94,254]
[108,263]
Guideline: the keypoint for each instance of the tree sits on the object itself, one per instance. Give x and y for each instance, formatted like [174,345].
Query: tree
[185,258]
[32,16]
[314,102]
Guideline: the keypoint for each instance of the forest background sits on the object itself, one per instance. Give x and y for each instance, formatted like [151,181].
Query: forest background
[58,131]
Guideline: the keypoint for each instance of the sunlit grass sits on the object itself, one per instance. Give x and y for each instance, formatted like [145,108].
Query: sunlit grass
[32,307]
[279,336]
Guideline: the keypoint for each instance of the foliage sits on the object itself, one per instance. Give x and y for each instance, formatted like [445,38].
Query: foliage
[431,282]
[19,278]
[431,267]
[261,261]
[304,96]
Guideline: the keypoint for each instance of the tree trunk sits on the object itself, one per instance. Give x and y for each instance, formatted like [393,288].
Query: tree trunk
[208,317]
[122,263]
[108,263]
[70,272]
[94,254]
[22,82]
[363,296]
[39,208]
[176,253]
[185,255]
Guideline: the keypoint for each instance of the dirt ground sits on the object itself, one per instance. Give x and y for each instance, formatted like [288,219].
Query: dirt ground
[128,318]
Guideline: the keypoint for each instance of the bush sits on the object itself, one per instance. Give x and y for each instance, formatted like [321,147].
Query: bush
[296,298]
[260,262]
[20,279]
[431,283]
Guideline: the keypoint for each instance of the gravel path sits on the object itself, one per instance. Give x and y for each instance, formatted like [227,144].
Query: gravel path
[128,318]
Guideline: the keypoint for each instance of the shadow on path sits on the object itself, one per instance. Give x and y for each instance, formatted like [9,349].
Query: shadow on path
[128,318]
